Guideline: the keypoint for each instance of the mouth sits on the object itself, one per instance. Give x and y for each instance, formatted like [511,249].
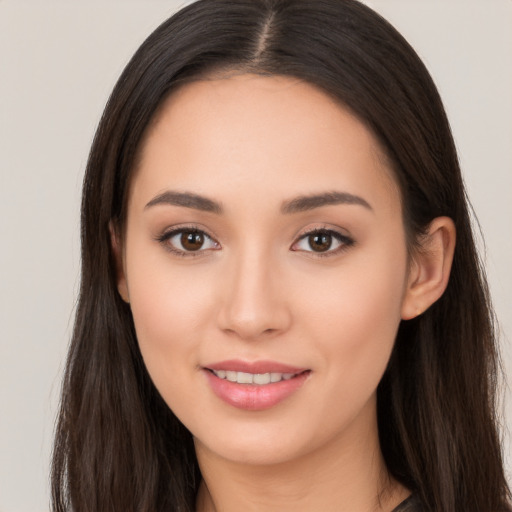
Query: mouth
[254,386]
[258,379]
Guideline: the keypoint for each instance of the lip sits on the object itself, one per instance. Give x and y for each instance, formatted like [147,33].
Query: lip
[238,365]
[251,397]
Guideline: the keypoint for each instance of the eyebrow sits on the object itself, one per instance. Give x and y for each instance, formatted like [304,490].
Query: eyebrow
[296,205]
[187,200]
[306,203]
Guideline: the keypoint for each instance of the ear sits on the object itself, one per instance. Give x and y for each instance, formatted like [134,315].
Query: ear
[430,268]
[117,249]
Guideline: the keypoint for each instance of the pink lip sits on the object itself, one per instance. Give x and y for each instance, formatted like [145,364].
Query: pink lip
[252,397]
[237,365]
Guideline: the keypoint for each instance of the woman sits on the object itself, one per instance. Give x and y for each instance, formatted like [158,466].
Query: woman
[281,305]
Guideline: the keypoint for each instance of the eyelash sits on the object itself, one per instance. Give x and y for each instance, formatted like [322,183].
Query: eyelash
[165,237]
[344,241]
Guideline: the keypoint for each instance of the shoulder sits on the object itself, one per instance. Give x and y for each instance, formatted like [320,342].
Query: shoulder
[411,504]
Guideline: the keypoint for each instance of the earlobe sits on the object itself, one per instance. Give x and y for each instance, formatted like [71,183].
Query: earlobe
[430,268]
[117,250]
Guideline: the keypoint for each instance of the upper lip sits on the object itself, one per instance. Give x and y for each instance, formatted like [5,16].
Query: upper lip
[255,367]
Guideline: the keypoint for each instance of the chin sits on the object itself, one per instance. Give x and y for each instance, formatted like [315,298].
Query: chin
[261,445]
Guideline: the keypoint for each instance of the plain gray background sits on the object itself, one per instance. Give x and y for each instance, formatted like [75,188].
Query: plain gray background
[58,63]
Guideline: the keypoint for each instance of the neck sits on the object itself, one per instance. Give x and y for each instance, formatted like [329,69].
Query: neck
[346,475]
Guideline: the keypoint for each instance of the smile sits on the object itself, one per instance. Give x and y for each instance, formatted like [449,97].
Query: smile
[259,379]
[254,386]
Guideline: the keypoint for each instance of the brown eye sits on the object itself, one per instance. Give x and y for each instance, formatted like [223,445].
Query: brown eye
[323,242]
[320,242]
[185,242]
[192,240]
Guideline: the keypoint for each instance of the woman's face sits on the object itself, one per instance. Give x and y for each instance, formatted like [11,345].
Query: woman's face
[264,244]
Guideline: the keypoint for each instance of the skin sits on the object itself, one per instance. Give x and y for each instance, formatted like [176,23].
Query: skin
[256,290]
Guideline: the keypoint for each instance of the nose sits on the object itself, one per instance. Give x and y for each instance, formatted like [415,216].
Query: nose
[254,302]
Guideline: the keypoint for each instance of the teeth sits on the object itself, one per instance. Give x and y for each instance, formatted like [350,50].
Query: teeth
[259,379]
[231,376]
[244,378]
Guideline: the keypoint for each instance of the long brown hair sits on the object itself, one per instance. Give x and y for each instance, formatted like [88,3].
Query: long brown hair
[118,446]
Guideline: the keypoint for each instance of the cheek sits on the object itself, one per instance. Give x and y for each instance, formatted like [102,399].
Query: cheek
[169,308]
[355,316]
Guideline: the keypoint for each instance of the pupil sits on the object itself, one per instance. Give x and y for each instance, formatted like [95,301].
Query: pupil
[320,242]
[192,241]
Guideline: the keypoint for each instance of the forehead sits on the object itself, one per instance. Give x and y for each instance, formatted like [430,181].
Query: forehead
[270,135]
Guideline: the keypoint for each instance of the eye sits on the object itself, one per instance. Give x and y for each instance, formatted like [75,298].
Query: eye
[324,241]
[186,241]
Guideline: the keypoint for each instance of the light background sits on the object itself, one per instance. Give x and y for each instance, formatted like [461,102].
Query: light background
[58,63]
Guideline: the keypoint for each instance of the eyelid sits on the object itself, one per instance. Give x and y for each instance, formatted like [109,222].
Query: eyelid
[346,241]
[172,231]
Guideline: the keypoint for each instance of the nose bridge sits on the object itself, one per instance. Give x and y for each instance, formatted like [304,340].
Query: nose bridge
[253,303]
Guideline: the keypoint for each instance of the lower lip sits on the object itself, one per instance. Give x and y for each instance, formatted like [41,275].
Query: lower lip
[253,397]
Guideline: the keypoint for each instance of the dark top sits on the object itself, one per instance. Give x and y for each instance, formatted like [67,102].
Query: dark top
[411,504]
